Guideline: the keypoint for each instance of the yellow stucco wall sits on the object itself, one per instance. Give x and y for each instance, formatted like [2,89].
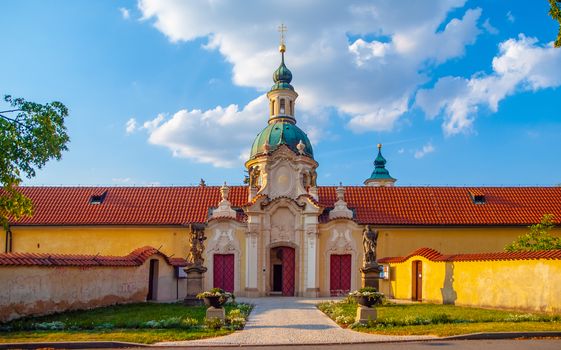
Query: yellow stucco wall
[512,284]
[401,241]
[105,240]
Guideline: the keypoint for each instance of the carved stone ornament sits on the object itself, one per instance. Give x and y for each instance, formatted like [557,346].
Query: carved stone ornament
[340,210]
[340,242]
[224,209]
[301,147]
[282,226]
[222,242]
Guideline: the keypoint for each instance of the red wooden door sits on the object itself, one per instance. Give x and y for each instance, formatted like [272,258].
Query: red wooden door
[340,274]
[224,272]
[288,271]
[417,281]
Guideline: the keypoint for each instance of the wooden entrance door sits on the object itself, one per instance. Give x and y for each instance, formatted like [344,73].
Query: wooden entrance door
[153,275]
[288,267]
[417,280]
[223,272]
[340,274]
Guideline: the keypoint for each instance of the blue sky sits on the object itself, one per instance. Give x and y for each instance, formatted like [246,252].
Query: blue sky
[168,92]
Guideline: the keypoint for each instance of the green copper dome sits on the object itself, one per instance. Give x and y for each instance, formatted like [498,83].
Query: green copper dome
[281,132]
[282,77]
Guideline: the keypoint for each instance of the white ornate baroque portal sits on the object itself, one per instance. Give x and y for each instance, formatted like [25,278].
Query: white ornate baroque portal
[222,240]
[341,242]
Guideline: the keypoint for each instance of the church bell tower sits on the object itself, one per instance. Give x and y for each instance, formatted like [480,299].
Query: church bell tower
[281,163]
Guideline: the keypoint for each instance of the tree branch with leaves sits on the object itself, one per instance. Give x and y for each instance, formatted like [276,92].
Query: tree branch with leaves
[30,135]
[538,238]
[555,13]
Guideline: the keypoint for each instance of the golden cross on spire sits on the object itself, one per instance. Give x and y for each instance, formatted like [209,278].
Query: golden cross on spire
[282,30]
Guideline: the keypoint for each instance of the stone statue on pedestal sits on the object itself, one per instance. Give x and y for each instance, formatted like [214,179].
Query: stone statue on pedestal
[371,269]
[369,243]
[195,271]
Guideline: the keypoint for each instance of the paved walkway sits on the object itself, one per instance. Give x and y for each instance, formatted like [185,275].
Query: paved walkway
[284,320]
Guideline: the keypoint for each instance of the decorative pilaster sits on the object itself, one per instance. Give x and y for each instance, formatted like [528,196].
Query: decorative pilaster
[251,268]
[312,289]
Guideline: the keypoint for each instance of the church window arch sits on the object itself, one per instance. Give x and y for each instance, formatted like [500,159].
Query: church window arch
[272,107]
[282,106]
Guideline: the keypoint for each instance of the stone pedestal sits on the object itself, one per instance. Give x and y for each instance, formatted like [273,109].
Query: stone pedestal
[365,314]
[252,293]
[213,312]
[371,276]
[195,275]
[311,293]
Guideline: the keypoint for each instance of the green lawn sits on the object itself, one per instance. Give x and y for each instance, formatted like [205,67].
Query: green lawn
[140,323]
[440,320]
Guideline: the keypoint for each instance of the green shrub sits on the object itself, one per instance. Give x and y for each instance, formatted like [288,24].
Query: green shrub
[189,322]
[213,323]
[49,326]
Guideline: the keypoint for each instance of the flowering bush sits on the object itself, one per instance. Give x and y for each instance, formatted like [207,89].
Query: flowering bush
[370,293]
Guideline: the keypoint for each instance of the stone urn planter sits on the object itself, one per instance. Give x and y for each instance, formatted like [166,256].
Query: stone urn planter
[214,301]
[365,300]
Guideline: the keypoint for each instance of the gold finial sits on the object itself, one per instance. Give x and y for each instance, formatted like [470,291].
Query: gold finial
[379,146]
[282,30]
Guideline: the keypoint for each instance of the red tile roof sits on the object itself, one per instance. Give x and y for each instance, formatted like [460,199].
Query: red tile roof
[434,255]
[136,258]
[373,205]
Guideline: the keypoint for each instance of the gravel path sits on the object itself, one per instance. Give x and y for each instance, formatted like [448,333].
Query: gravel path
[285,320]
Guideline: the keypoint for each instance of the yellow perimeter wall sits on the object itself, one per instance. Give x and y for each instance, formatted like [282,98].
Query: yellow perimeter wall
[105,240]
[533,285]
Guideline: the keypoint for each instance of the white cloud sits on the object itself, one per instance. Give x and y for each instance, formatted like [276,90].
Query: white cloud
[371,82]
[120,180]
[428,148]
[153,124]
[510,17]
[125,13]
[131,126]
[219,136]
[401,150]
[521,65]
[489,27]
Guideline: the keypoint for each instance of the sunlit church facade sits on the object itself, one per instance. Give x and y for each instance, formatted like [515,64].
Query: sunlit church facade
[282,233]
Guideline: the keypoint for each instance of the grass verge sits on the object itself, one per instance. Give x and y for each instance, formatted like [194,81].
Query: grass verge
[439,320]
[140,323]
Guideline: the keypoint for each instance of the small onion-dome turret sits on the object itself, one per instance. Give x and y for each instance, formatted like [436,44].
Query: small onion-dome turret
[380,176]
[282,76]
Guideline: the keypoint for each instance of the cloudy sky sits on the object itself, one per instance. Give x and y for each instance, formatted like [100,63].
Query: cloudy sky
[169,92]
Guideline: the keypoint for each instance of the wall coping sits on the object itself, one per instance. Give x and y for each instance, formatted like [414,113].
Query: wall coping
[434,255]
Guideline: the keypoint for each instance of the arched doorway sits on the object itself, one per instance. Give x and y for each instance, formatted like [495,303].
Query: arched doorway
[282,269]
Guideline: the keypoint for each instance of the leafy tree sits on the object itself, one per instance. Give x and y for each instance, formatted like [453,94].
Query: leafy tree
[555,13]
[30,135]
[538,238]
